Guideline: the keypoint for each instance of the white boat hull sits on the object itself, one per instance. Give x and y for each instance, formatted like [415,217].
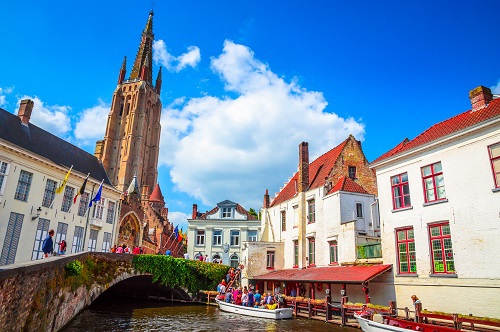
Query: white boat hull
[283,313]
[371,326]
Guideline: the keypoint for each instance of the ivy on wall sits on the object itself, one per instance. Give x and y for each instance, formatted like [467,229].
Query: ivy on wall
[178,272]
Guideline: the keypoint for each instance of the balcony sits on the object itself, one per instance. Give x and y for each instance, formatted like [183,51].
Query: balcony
[369,250]
[96,222]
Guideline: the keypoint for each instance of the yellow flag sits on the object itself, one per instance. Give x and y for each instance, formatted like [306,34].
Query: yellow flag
[61,187]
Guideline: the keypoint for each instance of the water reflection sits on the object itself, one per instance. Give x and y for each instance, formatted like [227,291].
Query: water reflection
[139,315]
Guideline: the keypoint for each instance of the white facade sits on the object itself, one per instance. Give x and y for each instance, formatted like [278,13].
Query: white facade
[469,204]
[22,232]
[226,226]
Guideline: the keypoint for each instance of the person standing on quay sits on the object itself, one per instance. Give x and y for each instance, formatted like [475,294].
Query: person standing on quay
[48,244]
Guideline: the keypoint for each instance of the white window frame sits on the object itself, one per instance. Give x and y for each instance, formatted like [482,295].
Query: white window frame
[217,238]
[234,239]
[200,237]
[4,173]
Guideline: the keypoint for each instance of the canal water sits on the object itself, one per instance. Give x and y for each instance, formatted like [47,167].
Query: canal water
[125,314]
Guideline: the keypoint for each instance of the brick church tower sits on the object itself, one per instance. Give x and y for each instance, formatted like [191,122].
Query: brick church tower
[132,140]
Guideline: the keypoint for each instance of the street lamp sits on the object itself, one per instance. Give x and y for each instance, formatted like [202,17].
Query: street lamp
[38,211]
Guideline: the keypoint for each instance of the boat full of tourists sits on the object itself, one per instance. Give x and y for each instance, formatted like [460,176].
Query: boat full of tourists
[280,313]
[381,323]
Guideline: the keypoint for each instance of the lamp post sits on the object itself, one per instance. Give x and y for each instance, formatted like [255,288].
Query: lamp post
[225,255]
[38,211]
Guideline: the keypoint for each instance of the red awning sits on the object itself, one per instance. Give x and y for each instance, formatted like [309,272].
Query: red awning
[330,274]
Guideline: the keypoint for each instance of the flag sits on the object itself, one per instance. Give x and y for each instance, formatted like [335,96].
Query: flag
[82,189]
[61,187]
[176,232]
[179,238]
[97,196]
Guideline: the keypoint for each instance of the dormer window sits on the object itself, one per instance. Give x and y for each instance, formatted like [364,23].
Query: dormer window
[227,212]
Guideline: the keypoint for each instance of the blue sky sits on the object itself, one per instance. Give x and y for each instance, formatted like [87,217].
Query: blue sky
[245,82]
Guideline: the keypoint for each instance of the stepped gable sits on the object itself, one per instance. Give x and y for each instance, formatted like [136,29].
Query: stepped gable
[346,184]
[453,125]
[319,169]
[38,141]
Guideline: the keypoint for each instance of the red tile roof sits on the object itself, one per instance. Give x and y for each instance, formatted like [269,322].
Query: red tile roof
[156,195]
[318,171]
[447,127]
[345,183]
[330,274]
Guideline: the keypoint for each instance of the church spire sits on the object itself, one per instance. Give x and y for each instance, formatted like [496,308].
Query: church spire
[158,82]
[145,53]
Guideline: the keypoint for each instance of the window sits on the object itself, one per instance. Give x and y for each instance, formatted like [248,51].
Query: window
[62,230]
[106,242]
[359,210]
[311,214]
[217,237]
[295,216]
[77,239]
[400,191]
[11,241]
[41,232]
[67,199]
[352,172]
[433,179]
[4,169]
[283,221]
[295,253]
[92,240]
[252,236]
[235,238]
[200,237]
[99,209]
[234,260]
[334,252]
[442,252]
[494,157]
[312,251]
[50,191]
[84,202]
[227,212]
[111,212]
[407,261]
[270,259]
[23,186]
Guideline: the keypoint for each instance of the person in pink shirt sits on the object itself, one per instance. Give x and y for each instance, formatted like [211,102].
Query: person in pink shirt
[119,250]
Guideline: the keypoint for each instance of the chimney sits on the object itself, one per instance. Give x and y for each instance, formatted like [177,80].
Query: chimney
[195,211]
[266,200]
[480,97]
[25,110]
[303,184]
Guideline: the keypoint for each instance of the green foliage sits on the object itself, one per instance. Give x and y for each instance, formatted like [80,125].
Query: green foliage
[74,268]
[253,213]
[178,272]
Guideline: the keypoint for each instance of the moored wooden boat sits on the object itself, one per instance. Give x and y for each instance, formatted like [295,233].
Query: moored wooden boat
[282,313]
[398,325]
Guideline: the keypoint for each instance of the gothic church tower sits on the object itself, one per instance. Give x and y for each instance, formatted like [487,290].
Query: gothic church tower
[132,140]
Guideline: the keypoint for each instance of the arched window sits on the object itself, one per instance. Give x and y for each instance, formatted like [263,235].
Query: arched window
[216,258]
[234,260]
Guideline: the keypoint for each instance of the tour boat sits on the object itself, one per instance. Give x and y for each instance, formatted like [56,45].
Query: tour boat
[282,313]
[391,324]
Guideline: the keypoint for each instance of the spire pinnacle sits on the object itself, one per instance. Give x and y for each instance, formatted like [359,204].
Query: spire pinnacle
[144,51]
[158,82]
[123,71]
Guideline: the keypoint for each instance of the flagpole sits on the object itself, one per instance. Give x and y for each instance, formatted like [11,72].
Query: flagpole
[88,215]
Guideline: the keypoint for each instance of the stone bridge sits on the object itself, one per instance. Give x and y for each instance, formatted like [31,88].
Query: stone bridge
[44,295]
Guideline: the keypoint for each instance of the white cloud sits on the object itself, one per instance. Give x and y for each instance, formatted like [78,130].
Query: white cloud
[171,62]
[224,148]
[91,125]
[3,95]
[52,118]
[496,88]
[179,219]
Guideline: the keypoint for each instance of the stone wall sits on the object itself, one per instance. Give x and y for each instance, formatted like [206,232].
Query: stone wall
[40,296]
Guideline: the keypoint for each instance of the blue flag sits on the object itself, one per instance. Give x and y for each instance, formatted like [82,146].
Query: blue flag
[97,196]
[176,232]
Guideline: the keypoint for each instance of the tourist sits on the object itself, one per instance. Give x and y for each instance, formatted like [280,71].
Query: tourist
[119,249]
[222,288]
[228,276]
[239,296]
[113,249]
[186,255]
[168,252]
[251,298]
[136,250]
[269,298]
[48,244]
[244,298]
[277,289]
[293,292]
[126,249]
[418,306]
[257,296]
[200,257]
[207,259]
[62,247]
[229,296]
